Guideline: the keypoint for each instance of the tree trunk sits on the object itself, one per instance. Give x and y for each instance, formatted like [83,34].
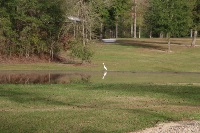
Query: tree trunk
[161,34]
[90,32]
[83,22]
[83,32]
[150,34]
[52,54]
[86,35]
[116,30]
[169,43]
[110,33]
[74,29]
[101,34]
[27,53]
[52,50]
[139,32]
[194,39]
[191,33]
[135,20]
[132,21]
[131,30]
[167,36]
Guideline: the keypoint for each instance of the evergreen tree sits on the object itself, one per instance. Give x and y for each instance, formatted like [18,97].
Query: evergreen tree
[172,17]
[196,20]
[30,26]
[196,15]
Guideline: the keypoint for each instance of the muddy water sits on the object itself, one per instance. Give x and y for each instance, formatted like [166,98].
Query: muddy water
[66,77]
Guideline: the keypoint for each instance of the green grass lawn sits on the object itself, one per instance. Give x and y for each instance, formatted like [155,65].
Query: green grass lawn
[149,55]
[115,104]
[132,55]
[94,107]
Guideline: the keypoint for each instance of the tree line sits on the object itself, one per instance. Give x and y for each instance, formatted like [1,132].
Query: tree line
[30,26]
[37,27]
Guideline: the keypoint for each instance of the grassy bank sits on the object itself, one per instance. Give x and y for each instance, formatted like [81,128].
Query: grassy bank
[94,107]
[131,55]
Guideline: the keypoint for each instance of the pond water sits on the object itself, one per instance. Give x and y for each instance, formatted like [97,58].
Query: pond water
[66,77]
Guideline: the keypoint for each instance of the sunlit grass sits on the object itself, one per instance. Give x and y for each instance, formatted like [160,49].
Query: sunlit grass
[94,107]
[131,55]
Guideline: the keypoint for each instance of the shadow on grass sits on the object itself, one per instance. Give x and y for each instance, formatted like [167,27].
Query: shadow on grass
[188,93]
[143,44]
[134,119]
[24,97]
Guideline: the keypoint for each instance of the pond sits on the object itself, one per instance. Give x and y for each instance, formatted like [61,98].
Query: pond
[66,77]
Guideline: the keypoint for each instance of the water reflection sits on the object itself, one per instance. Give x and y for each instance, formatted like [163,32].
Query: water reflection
[66,77]
[43,78]
[104,74]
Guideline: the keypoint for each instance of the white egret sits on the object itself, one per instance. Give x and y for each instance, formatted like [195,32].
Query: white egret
[105,67]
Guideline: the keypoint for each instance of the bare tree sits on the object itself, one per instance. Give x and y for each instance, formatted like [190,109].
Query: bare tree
[194,39]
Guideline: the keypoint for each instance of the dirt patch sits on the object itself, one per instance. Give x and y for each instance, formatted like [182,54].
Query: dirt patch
[174,127]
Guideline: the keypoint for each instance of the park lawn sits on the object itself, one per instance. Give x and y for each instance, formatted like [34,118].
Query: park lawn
[149,55]
[106,107]
[131,55]
[94,107]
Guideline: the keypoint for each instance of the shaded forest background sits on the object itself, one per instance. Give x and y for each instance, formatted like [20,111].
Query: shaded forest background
[46,27]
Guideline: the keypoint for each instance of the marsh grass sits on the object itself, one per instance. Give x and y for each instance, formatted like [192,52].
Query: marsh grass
[94,107]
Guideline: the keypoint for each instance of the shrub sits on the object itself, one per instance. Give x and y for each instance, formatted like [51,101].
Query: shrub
[84,52]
